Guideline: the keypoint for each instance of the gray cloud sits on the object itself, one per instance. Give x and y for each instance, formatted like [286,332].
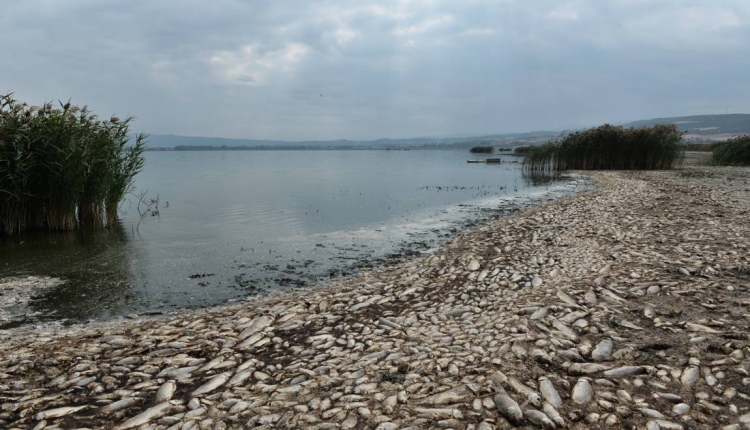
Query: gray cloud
[256,69]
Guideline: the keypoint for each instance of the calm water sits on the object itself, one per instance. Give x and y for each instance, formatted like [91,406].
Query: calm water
[239,223]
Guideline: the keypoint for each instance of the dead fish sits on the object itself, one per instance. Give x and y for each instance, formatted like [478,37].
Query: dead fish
[454,395]
[649,312]
[119,405]
[531,395]
[582,391]
[498,379]
[58,412]
[146,416]
[603,350]
[553,414]
[567,331]
[690,376]
[246,365]
[590,297]
[540,356]
[239,407]
[211,364]
[508,408]
[539,419]
[129,361]
[250,341]
[165,392]
[701,328]
[176,372]
[239,377]
[539,314]
[549,393]
[258,324]
[623,371]
[565,297]
[215,382]
[587,368]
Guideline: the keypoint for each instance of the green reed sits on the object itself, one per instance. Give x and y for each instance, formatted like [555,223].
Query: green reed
[609,148]
[61,168]
[733,152]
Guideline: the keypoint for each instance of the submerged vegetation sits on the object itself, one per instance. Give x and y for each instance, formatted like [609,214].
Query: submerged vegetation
[482,150]
[733,152]
[61,168]
[609,148]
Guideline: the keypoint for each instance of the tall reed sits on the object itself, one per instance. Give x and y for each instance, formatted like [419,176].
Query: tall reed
[733,152]
[61,168]
[609,148]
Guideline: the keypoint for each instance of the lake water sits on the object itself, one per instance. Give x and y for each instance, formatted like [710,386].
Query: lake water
[235,223]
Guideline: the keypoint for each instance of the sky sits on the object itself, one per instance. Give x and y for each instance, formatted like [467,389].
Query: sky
[361,70]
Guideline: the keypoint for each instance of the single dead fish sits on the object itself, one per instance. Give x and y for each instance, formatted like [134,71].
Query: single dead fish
[539,419]
[58,412]
[146,416]
[119,405]
[165,392]
[553,414]
[239,377]
[531,395]
[215,382]
[582,391]
[549,393]
[508,408]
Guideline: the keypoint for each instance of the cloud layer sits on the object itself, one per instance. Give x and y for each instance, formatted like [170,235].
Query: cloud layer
[364,70]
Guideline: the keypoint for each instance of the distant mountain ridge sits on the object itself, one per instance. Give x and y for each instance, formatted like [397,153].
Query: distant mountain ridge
[696,127]
[704,127]
[173,141]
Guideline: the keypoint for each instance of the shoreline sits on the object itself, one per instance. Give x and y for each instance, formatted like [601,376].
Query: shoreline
[419,238]
[607,308]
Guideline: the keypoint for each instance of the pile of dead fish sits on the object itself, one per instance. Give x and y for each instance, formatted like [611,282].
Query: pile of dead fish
[623,308]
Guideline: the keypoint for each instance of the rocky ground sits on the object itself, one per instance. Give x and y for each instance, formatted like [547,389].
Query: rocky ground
[626,307]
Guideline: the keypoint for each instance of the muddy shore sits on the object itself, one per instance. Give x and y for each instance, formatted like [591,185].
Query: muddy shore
[626,307]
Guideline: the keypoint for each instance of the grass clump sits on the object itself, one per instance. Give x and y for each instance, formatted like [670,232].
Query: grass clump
[610,148]
[733,152]
[522,150]
[482,150]
[61,168]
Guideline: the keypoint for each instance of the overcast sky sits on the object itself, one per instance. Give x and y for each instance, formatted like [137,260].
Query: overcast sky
[257,69]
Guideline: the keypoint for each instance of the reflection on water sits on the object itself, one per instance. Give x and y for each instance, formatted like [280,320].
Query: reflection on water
[235,223]
[96,265]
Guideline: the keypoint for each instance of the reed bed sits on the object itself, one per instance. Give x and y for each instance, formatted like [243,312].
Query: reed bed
[733,152]
[62,168]
[609,148]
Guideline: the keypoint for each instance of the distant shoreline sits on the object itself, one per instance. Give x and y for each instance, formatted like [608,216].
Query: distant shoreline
[319,148]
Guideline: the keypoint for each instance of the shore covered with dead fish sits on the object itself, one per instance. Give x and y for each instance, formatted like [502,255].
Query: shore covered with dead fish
[626,307]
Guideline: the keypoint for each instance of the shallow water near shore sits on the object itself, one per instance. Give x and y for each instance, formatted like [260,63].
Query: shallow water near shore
[233,224]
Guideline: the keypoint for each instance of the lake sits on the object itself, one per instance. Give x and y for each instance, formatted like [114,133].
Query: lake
[234,223]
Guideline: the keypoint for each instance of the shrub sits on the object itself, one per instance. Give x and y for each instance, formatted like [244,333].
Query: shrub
[610,148]
[522,150]
[61,167]
[481,150]
[733,152]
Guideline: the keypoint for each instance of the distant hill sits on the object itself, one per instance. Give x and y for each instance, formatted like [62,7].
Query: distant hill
[163,141]
[704,127]
[698,128]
